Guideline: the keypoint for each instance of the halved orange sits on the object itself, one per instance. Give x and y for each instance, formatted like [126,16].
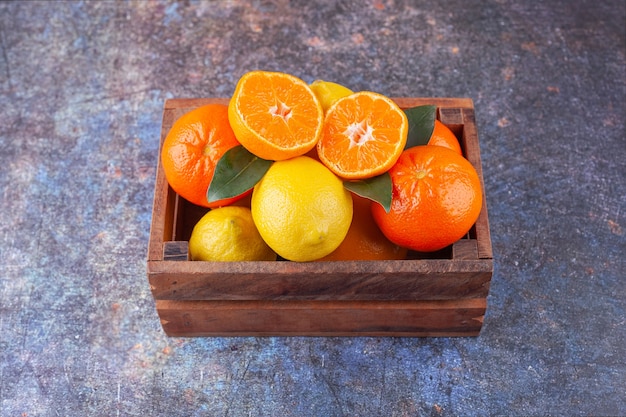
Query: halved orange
[364,135]
[275,116]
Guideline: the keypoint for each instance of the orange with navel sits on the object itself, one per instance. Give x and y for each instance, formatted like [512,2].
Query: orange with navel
[436,199]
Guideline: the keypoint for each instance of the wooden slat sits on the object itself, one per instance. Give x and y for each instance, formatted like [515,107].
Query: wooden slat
[404,102]
[162,209]
[176,251]
[322,318]
[451,116]
[472,153]
[349,280]
[465,249]
[408,102]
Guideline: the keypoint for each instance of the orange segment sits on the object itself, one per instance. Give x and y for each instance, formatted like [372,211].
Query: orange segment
[274,115]
[364,135]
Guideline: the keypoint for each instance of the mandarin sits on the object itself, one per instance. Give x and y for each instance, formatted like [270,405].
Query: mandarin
[436,199]
[275,116]
[364,240]
[443,136]
[364,135]
[191,150]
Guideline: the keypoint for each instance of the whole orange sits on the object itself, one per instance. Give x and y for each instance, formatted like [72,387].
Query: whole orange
[364,240]
[192,148]
[436,199]
[443,136]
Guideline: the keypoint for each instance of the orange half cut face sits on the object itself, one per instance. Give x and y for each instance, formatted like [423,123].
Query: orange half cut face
[276,116]
[363,136]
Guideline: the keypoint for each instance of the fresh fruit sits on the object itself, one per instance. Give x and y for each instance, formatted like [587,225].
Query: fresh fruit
[364,240]
[328,92]
[364,135]
[443,136]
[275,116]
[436,199]
[301,209]
[194,144]
[228,234]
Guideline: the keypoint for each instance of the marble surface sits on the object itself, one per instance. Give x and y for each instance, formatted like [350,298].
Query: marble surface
[82,85]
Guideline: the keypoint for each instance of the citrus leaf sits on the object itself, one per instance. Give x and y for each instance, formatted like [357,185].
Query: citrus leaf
[236,172]
[421,125]
[377,189]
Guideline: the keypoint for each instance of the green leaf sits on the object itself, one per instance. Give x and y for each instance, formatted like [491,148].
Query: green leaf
[421,125]
[377,189]
[236,172]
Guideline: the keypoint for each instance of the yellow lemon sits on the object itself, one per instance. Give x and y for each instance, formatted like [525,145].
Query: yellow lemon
[328,92]
[228,234]
[301,209]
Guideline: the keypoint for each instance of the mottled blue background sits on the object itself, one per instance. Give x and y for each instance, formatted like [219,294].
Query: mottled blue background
[82,85]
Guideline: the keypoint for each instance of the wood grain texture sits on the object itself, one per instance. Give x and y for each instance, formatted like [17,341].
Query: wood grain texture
[321,318]
[471,147]
[350,280]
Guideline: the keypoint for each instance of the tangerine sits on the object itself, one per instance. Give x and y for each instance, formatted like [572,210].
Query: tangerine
[436,199]
[364,240]
[443,136]
[364,135]
[275,116]
[191,150]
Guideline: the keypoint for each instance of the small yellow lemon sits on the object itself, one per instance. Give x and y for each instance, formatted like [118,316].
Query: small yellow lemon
[228,234]
[301,209]
[328,92]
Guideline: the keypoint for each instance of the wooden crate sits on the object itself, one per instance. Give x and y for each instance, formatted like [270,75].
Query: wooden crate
[439,294]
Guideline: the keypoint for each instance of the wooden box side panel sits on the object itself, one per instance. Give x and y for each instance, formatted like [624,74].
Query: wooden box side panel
[469,140]
[321,318]
[350,280]
[162,206]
